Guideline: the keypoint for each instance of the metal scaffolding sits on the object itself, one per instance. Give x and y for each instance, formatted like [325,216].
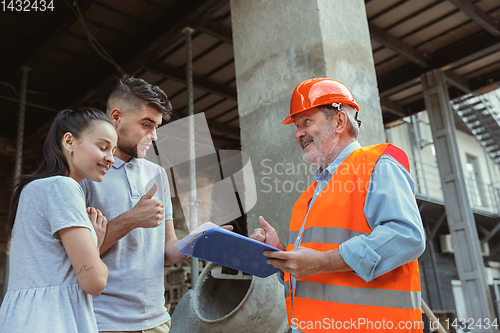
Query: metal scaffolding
[19,157]
[193,209]
[483,121]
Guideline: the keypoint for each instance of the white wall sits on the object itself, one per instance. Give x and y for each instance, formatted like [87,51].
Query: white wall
[423,164]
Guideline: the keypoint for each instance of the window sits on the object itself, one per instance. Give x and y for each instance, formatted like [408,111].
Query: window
[472,179]
[422,129]
[458,295]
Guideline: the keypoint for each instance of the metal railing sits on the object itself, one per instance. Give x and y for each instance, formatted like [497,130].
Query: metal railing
[483,197]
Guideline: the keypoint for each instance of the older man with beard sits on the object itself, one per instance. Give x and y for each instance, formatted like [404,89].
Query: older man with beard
[356,232]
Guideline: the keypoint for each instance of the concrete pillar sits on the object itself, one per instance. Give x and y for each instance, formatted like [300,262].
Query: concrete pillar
[278,44]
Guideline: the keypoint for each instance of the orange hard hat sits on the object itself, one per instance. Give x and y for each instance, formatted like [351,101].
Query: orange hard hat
[316,92]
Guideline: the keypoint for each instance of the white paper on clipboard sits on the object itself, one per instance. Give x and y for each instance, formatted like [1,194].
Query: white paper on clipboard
[195,233]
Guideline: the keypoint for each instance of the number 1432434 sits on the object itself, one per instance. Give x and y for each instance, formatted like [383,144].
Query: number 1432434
[27,5]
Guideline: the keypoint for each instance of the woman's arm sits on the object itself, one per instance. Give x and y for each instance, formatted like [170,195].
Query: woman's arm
[91,272]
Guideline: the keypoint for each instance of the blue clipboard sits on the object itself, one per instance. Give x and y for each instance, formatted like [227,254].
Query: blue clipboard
[232,250]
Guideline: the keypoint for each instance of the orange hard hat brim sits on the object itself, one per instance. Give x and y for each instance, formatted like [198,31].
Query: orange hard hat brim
[289,120]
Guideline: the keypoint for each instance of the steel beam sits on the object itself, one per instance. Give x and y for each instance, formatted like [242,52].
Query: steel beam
[491,233]
[39,106]
[217,30]
[225,113]
[393,107]
[397,45]
[399,87]
[478,16]
[459,214]
[457,82]
[472,47]
[230,131]
[200,82]
[214,126]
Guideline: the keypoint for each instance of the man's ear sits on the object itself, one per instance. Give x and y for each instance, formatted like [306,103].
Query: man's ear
[341,121]
[116,115]
[68,141]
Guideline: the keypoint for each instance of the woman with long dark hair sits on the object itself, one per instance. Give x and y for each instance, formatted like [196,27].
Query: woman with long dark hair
[55,265]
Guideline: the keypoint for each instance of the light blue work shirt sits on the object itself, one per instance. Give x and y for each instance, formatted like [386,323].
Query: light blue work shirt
[391,211]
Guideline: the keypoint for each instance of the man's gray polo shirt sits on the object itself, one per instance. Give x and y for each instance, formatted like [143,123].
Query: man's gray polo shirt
[133,299]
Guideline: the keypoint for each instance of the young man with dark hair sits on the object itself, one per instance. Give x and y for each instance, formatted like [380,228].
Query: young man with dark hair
[135,198]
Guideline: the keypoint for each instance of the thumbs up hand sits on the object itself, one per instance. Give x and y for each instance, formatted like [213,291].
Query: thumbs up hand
[151,192]
[267,234]
[148,212]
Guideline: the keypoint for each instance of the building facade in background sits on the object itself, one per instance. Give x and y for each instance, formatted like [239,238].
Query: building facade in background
[441,287]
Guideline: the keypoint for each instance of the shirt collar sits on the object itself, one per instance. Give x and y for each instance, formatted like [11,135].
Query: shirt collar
[330,170]
[118,162]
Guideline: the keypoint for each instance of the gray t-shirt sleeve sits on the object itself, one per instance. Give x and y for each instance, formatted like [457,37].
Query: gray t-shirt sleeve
[66,206]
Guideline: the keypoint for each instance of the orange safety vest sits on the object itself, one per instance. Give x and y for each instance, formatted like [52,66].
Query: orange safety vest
[343,301]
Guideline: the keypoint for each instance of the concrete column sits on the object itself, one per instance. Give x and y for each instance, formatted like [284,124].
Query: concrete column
[278,44]
[459,214]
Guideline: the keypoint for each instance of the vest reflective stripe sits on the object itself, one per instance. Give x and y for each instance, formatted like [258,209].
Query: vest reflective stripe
[325,235]
[287,289]
[359,296]
[292,236]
